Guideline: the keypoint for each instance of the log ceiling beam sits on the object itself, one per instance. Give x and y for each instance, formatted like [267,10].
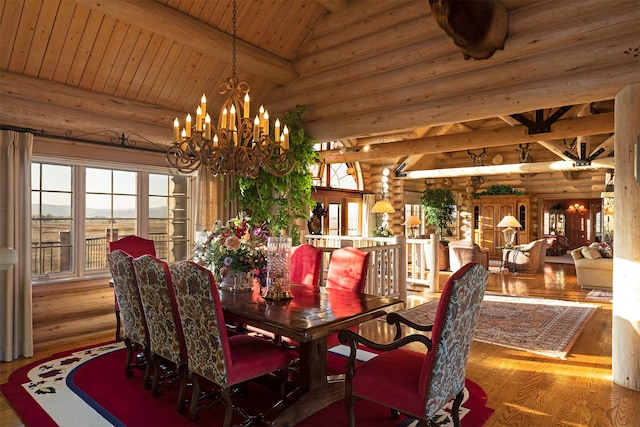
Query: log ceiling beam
[184,29]
[519,168]
[490,137]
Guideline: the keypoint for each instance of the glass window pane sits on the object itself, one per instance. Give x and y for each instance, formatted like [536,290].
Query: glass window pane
[158,185]
[35,176]
[98,206]
[98,180]
[56,204]
[56,177]
[158,207]
[125,182]
[124,207]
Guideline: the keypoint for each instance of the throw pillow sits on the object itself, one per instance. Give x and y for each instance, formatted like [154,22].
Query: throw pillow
[606,250]
[591,253]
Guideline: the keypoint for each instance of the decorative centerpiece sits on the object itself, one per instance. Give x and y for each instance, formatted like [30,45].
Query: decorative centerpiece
[235,252]
[278,266]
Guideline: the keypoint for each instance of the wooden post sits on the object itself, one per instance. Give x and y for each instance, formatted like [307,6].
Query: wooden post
[626,251]
[434,261]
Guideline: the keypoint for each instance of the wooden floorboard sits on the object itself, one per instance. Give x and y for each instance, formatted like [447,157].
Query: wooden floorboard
[524,389]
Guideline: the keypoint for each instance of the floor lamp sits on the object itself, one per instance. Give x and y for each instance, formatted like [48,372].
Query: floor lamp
[510,225]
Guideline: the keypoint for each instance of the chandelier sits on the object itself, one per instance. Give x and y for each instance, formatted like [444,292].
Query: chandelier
[237,145]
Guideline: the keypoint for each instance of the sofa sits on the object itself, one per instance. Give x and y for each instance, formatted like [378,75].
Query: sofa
[462,252]
[529,258]
[593,269]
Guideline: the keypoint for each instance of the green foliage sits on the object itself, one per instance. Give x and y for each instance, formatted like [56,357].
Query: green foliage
[557,208]
[439,205]
[279,201]
[499,189]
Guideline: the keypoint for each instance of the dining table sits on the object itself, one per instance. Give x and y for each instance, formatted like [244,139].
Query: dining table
[313,314]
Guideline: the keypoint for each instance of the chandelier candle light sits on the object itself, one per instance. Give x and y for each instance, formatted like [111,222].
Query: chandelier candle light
[238,145]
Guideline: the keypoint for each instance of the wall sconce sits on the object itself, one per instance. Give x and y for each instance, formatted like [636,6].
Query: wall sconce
[576,207]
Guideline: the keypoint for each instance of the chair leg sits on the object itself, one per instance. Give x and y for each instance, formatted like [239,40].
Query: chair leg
[183,373]
[228,406]
[284,376]
[455,410]
[148,368]
[118,324]
[348,402]
[155,387]
[130,347]
[195,397]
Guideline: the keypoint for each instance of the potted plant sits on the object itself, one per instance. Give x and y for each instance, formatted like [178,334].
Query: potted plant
[280,201]
[439,205]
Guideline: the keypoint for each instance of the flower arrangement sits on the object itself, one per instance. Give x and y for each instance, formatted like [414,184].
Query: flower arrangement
[381,231]
[233,247]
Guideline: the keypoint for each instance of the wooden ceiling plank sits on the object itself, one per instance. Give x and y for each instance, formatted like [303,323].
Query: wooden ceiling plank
[196,34]
[41,37]
[140,47]
[145,73]
[123,57]
[110,57]
[9,23]
[24,38]
[77,48]
[97,53]
[166,78]
[157,72]
[487,137]
[57,37]
[334,6]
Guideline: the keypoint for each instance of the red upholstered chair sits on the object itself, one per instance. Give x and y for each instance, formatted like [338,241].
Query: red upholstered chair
[213,355]
[306,261]
[165,329]
[134,246]
[348,269]
[415,383]
[135,325]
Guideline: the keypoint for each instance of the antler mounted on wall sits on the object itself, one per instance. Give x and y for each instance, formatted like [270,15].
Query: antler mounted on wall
[478,28]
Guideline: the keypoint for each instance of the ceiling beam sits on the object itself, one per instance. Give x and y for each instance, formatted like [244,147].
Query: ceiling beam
[490,137]
[561,165]
[189,31]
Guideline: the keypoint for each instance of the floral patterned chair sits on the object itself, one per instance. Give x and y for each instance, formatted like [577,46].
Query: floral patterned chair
[418,384]
[136,333]
[166,338]
[135,246]
[213,355]
[306,261]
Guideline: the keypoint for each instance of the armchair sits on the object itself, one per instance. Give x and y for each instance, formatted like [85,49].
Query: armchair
[135,325]
[418,384]
[213,355]
[135,246]
[529,258]
[462,252]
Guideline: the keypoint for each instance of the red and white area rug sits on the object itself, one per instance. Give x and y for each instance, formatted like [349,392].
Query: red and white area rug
[88,387]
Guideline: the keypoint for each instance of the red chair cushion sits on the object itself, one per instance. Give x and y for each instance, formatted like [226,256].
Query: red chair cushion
[252,357]
[400,369]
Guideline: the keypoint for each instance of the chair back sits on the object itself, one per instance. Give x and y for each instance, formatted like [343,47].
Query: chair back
[348,269]
[202,320]
[306,261]
[125,286]
[134,245]
[158,301]
[444,368]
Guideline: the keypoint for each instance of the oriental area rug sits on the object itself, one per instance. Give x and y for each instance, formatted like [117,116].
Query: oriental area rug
[541,326]
[87,387]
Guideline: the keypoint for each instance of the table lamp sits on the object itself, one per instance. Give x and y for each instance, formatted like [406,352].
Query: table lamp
[412,222]
[508,223]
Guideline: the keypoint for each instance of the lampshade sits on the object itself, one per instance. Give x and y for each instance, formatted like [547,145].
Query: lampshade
[413,220]
[382,206]
[509,221]
[8,257]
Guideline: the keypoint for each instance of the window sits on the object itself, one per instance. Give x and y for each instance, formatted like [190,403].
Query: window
[78,209]
[52,220]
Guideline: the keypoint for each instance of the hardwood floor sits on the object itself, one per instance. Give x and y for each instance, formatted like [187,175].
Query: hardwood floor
[524,389]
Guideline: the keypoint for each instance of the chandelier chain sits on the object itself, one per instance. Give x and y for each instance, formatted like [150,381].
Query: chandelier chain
[233,43]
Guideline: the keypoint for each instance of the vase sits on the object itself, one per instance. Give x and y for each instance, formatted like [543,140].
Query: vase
[236,282]
[278,267]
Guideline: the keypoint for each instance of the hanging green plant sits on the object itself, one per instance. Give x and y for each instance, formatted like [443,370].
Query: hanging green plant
[280,201]
[557,208]
[499,189]
[439,205]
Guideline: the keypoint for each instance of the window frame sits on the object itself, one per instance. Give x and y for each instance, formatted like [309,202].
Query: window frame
[80,273]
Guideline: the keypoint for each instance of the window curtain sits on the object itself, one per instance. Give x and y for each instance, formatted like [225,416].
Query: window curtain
[16,326]
[368,218]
